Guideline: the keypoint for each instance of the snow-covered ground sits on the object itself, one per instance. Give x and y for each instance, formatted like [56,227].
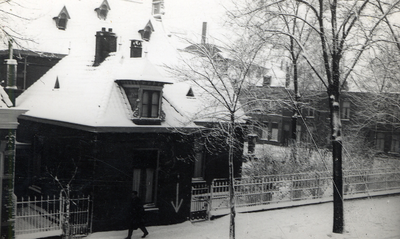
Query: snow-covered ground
[375,218]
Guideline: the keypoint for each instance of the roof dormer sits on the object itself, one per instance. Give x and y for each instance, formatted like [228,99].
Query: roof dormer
[62,19]
[145,99]
[146,32]
[102,11]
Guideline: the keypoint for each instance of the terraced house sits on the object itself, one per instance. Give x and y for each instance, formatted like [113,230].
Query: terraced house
[370,117]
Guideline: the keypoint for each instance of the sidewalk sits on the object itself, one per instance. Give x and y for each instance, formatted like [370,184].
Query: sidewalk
[368,218]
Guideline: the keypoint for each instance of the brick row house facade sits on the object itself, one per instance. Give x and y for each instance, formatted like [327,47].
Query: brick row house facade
[373,117]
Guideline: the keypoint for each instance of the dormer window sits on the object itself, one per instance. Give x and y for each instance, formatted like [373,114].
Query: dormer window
[62,19]
[102,11]
[136,48]
[158,8]
[145,100]
[146,32]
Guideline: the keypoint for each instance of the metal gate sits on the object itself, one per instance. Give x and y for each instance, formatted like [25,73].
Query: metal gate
[52,216]
[200,201]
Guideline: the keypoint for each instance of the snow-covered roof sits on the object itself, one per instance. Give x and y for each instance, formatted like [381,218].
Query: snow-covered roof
[5,101]
[74,91]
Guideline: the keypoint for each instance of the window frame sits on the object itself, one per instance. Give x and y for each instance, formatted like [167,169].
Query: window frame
[140,181]
[395,144]
[264,131]
[346,110]
[136,48]
[380,141]
[274,132]
[137,107]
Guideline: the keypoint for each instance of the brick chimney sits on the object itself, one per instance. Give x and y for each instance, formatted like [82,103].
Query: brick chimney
[106,42]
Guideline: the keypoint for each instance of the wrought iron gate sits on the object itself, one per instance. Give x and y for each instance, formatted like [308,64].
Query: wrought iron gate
[199,207]
[52,216]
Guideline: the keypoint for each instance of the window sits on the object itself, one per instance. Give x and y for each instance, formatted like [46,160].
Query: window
[395,146]
[380,141]
[62,19]
[144,98]
[102,11]
[150,104]
[158,6]
[146,32]
[274,132]
[145,175]
[308,112]
[264,133]
[346,110]
[190,92]
[136,48]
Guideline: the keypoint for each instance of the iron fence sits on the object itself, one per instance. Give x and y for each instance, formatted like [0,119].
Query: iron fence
[304,188]
[52,216]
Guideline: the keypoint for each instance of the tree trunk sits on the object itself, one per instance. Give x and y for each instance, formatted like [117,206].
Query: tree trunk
[231,179]
[296,112]
[336,129]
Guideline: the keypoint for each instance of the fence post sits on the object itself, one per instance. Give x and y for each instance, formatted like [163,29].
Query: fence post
[386,181]
[291,188]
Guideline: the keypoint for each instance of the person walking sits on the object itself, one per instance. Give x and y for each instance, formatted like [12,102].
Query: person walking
[136,216]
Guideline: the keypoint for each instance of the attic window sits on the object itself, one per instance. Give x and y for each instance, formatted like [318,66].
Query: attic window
[62,19]
[146,32]
[102,11]
[136,48]
[145,100]
[57,84]
[190,93]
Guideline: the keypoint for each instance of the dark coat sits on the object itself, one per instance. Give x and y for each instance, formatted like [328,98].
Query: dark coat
[136,213]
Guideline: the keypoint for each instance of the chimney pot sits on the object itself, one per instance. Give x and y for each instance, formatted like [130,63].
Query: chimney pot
[204,33]
[110,29]
[103,29]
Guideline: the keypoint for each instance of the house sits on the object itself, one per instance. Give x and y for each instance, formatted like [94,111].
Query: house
[107,119]
[371,117]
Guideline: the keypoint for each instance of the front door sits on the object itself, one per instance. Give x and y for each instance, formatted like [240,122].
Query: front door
[144,175]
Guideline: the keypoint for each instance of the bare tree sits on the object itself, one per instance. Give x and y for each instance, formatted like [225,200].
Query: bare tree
[7,32]
[220,74]
[343,31]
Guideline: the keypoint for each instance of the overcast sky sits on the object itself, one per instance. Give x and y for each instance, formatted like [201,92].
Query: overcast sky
[187,16]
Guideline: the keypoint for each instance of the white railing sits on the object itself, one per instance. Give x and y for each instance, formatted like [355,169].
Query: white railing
[38,216]
[299,189]
[52,216]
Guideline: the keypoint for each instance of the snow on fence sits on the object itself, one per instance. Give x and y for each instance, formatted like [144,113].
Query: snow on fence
[50,216]
[200,201]
[297,189]
[38,216]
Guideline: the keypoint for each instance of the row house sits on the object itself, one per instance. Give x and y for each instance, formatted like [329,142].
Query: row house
[374,117]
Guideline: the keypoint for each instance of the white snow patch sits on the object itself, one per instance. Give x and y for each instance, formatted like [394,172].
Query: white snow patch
[364,219]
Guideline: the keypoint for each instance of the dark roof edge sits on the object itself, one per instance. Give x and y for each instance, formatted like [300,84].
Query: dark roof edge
[34,53]
[110,129]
